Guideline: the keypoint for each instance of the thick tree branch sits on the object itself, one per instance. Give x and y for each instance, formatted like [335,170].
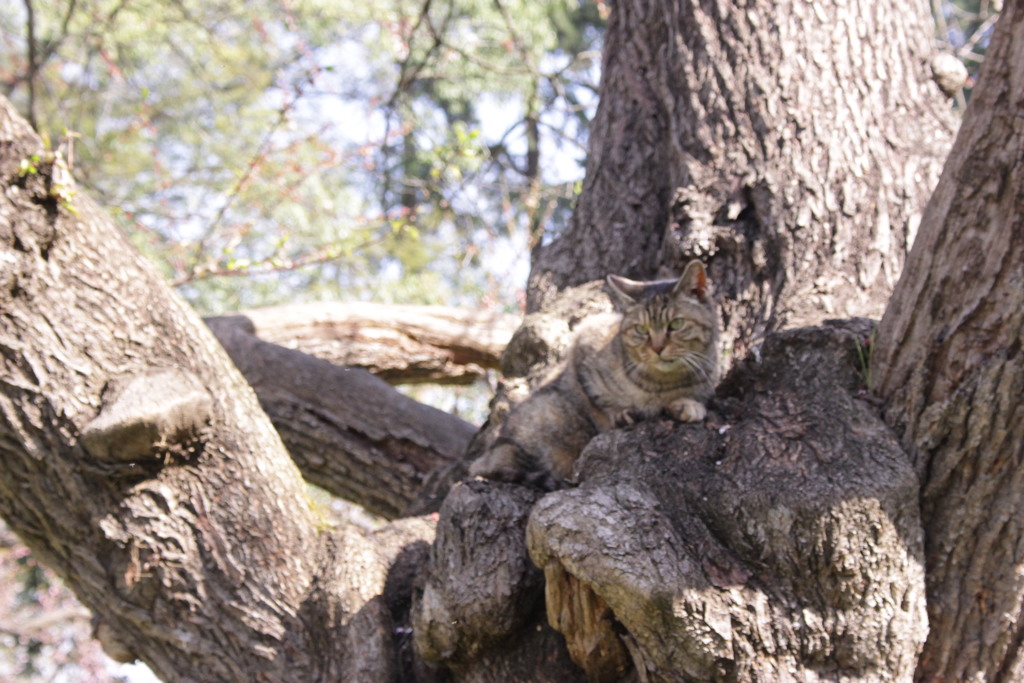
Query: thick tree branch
[137,463]
[348,431]
[400,344]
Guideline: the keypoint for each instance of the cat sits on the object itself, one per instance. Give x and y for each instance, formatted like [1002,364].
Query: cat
[659,355]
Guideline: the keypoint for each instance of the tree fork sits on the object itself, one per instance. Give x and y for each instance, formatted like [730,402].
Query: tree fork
[348,431]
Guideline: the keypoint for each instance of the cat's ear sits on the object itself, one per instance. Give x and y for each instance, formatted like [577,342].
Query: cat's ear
[694,281]
[624,291]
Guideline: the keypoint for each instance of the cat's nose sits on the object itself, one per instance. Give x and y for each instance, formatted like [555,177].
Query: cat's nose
[657,343]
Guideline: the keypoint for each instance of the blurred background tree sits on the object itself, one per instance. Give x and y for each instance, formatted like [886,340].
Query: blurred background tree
[299,150]
[390,151]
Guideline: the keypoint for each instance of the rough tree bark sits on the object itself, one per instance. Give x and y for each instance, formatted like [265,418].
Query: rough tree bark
[779,540]
[790,145]
[137,463]
[948,361]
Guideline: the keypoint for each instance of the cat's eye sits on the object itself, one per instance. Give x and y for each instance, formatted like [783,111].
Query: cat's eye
[676,324]
[640,329]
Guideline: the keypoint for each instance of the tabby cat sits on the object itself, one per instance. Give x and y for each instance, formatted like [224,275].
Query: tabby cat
[658,356]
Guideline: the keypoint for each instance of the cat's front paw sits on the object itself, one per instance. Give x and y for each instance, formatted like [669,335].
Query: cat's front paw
[687,410]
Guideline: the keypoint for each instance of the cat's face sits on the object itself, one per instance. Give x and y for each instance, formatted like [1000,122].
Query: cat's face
[669,327]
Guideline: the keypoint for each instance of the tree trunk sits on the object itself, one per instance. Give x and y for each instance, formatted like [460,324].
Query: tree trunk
[790,145]
[948,363]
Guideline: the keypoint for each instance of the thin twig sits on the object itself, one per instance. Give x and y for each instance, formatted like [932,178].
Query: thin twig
[967,49]
[316,257]
[262,150]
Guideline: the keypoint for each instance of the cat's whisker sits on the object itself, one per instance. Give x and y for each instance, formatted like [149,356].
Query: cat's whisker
[698,363]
